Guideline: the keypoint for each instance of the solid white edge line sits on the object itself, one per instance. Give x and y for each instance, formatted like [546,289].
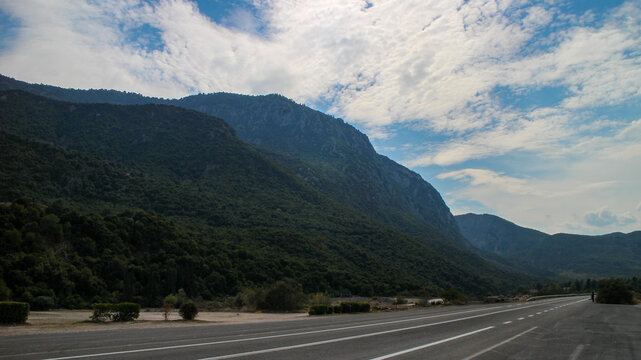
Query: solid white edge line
[403,352]
[497,345]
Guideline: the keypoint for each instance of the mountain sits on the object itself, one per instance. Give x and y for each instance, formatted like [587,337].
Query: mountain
[497,235]
[145,180]
[326,153]
[566,255]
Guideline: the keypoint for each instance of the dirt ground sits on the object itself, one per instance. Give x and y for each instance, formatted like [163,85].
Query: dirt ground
[78,320]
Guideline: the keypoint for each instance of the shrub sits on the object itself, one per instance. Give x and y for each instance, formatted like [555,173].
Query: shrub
[125,311]
[454,296]
[188,310]
[613,291]
[283,295]
[116,312]
[364,307]
[171,299]
[354,307]
[101,311]
[320,309]
[12,312]
[337,309]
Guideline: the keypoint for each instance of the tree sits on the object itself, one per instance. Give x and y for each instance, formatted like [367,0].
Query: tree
[188,310]
[283,295]
[614,291]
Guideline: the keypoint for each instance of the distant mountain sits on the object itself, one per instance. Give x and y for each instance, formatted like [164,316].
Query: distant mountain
[323,151]
[247,219]
[565,255]
[497,235]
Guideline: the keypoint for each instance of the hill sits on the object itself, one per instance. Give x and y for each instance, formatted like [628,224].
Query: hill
[323,151]
[566,255]
[225,214]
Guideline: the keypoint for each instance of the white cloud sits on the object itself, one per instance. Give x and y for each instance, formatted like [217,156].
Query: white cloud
[604,217]
[430,64]
[430,61]
[591,174]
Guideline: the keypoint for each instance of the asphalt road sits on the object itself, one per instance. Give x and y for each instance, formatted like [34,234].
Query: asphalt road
[565,328]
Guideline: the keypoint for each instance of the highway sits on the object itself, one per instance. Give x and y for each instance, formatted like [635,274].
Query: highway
[563,328]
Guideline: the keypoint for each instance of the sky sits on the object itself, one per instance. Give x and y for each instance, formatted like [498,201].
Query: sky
[529,110]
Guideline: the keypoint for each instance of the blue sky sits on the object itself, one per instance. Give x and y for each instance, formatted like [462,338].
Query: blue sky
[529,110]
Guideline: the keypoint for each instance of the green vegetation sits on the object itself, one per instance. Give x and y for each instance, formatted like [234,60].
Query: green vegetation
[12,312]
[615,291]
[105,203]
[116,312]
[563,255]
[321,309]
[188,311]
[454,296]
[343,308]
[283,295]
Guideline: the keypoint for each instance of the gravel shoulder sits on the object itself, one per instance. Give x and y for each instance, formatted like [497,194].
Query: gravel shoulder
[57,321]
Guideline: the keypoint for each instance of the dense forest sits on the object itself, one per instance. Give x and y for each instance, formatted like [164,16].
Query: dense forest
[131,203]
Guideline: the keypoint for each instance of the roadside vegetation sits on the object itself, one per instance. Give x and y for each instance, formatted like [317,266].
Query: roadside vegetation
[615,291]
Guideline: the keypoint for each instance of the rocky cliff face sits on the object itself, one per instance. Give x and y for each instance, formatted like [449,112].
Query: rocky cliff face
[336,158]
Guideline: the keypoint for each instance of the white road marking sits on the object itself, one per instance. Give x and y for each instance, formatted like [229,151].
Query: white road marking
[530,315]
[308,332]
[575,354]
[539,313]
[499,344]
[520,319]
[431,344]
[269,336]
[507,322]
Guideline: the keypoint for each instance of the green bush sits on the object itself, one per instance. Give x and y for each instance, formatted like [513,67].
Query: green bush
[101,311]
[354,307]
[116,312]
[320,309]
[283,295]
[453,296]
[337,309]
[613,291]
[125,311]
[171,299]
[188,311]
[12,312]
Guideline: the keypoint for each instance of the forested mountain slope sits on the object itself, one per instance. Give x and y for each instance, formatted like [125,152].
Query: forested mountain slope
[325,152]
[239,218]
[566,255]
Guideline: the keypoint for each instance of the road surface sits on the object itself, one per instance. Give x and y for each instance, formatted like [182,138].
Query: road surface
[565,328]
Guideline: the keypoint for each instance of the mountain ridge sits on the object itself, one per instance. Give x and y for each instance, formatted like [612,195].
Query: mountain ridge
[265,222]
[346,165]
[567,255]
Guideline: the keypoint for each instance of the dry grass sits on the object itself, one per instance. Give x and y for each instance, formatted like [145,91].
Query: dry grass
[78,320]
